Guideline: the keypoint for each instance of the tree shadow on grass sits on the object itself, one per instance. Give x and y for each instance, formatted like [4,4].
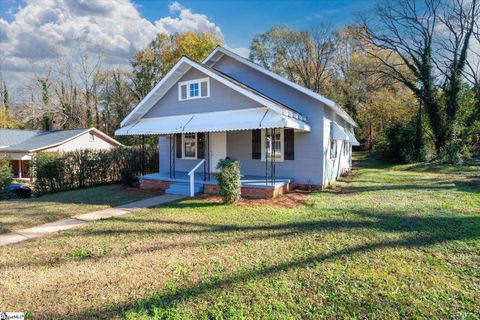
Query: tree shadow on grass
[442,228]
[170,299]
[454,185]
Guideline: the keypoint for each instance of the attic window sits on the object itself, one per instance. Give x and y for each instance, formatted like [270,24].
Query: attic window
[194,89]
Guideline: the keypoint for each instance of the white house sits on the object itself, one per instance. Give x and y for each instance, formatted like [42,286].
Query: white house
[20,145]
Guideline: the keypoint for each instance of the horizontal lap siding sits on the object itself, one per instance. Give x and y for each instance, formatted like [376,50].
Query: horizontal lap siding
[180,164]
[309,160]
[335,167]
[222,98]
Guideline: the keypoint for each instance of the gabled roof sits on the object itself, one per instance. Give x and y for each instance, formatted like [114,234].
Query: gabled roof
[218,53]
[31,141]
[9,136]
[180,68]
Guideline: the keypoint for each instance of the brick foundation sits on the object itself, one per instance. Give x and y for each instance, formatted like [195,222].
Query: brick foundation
[306,187]
[161,186]
[252,193]
[211,189]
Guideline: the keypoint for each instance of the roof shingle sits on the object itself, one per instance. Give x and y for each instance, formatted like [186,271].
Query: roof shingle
[28,140]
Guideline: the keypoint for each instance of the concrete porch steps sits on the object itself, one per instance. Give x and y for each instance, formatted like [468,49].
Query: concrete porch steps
[183,188]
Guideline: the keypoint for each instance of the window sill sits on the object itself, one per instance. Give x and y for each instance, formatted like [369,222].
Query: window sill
[194,98]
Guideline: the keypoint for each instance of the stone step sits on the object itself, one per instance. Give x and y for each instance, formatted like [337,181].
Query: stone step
[183,188]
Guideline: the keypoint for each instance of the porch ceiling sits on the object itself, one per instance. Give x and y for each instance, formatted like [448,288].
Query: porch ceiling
[245,119]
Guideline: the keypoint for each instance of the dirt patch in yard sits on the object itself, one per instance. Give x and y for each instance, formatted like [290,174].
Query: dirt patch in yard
[137,191]
[290,200]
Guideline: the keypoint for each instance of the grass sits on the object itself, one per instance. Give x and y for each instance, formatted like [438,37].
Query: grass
[387,242]
[23,213]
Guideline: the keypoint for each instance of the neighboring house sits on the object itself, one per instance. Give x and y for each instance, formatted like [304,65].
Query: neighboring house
[20,145]
[227,106]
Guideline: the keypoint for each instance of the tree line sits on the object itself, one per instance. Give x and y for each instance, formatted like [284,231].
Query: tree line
[408,73]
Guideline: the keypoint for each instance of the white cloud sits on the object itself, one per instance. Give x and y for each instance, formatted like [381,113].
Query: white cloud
[44,30]
[244,52]
[186,21]
[175,6]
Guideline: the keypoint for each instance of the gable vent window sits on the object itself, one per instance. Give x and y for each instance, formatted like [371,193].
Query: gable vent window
[194,89]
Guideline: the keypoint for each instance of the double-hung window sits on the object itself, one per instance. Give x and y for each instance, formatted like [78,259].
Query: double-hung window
[274,144]
[189,146]
[194,89]
[333,149]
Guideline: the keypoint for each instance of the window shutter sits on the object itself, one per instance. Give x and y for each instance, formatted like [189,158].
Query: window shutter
[203,89]
[289,144]
[183,92]
[200,145]
[178,142]
[256,144]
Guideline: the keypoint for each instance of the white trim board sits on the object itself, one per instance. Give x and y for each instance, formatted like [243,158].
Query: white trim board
[304,90]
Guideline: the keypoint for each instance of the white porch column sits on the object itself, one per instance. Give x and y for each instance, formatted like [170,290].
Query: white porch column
[20,169]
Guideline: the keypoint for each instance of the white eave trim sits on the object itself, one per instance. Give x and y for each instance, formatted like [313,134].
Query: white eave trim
[304,90]
[185,60]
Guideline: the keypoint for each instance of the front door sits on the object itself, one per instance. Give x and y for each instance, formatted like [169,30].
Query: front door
[218,149]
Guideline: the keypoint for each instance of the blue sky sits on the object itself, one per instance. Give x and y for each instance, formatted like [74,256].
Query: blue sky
[241,20]
[35,34]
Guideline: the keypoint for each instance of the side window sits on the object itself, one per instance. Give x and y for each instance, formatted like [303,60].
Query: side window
[333,149]
[194,89]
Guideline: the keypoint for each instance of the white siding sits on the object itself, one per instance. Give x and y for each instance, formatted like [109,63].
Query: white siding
[83,142]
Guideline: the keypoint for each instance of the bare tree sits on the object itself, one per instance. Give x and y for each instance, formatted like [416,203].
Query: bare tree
[472,71]
[308,55]
[459,18]
[428,39]
[90,66]
[403,33]
[302,56]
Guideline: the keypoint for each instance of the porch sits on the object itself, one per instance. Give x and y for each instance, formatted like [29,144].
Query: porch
[251,186]
[262,141]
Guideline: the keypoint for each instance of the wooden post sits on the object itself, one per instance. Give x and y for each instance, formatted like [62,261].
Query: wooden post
[20,169]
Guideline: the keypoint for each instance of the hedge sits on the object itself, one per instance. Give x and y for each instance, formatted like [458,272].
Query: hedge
[54,172]
[5,176]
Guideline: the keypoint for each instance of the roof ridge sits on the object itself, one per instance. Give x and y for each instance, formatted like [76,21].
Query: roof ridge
[318,96]
[251,88]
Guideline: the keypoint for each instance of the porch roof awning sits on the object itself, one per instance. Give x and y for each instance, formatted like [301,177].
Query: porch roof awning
[337,132]
[245,119]
[351,138]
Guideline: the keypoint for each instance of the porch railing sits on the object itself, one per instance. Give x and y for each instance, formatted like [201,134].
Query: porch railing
[192,177]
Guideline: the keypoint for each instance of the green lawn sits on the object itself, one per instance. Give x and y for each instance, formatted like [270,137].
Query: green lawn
[24,213]
[388,242]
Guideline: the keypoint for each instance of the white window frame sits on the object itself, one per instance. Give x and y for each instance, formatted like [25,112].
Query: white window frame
[188,83]
[282,144]
[183,148]
[335,142]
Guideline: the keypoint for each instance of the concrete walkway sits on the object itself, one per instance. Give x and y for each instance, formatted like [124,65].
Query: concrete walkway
[82,219]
